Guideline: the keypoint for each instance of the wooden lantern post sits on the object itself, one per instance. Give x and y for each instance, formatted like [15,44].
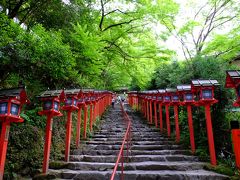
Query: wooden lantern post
[160,94]
[51,107]
[175,102]
[166,102]
[205,89]
[233,81]
[188,101]
[11,102]
[69,106]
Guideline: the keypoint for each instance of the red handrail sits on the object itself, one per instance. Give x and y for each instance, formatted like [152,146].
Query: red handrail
[125,139]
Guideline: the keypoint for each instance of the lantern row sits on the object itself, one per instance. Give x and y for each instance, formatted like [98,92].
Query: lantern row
[12,101]
[73,100]
[198,93]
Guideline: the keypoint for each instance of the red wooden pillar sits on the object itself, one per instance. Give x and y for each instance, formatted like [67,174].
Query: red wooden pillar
[168,120]
[191,130]
[68,135]
[94,112]
[155,114]
[210,135]
[3,145]
[91,116]
[148,111]
[150,117]
[85,121]
[79,126]
[160,117]
[145,108]
[236,146]
[137,105]
[176,123]
[47,145]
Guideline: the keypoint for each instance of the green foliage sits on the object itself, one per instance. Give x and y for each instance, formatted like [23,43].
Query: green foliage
[25,150]
[175,73]
[222,169]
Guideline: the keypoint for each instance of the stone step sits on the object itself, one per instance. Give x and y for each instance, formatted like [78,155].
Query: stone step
[139,175]
[137,158]
[146,165]
[133,147]
[133,152]
[133,139]
[132,142]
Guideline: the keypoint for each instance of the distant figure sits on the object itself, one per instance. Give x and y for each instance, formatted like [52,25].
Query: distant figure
[113,102]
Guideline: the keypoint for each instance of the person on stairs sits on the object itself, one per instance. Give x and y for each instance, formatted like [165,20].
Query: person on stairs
[113,101]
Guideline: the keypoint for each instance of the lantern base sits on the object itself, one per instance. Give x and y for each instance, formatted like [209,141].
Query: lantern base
[11,118]
[205,102]
[50,112]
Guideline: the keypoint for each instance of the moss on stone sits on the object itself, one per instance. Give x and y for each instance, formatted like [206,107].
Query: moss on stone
[58,165]
[222,169]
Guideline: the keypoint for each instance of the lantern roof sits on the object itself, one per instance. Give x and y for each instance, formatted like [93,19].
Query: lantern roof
[171,90]
[184,87]
[72,91]
[50,93]
[19,93]
[198,82]
[232,78]
[161,91]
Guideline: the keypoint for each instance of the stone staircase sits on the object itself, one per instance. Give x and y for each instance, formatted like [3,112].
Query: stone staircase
[152,156]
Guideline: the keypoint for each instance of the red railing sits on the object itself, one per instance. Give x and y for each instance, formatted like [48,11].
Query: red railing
[126,140]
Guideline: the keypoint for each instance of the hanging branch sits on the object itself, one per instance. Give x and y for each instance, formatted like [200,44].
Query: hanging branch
[119,24]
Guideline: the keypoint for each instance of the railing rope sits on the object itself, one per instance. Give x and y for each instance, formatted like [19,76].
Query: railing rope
[126,139]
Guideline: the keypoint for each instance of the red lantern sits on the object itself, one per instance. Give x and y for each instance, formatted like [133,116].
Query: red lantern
[188,100]
[51,106]
[160,94]
[233,81]
[205,89]
[11,102]
[69,106]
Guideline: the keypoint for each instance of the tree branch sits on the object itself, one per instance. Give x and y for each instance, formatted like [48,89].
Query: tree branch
[119,24]
[102,17]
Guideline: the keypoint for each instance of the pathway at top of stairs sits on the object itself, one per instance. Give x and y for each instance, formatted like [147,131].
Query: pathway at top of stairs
[152,155]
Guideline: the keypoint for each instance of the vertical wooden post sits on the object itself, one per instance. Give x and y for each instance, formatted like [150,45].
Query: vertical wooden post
[191,129]
[155,114]
[160,117]
[68,135]
[168,120]
[91,116]
[3,146]
[85,121]
[47,145]
[150,117]
[176,123]
[79,126]
[210,135]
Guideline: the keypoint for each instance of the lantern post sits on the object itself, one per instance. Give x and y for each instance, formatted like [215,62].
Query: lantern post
[154,95]
[91,105]
[144,109]
[175,102]
[51,107]
[233,81]
[188,101]
[160,103]
[205,89]
[80,104]
[69,106]
[150,100]
[166,102]
[85,109]
[11,102]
